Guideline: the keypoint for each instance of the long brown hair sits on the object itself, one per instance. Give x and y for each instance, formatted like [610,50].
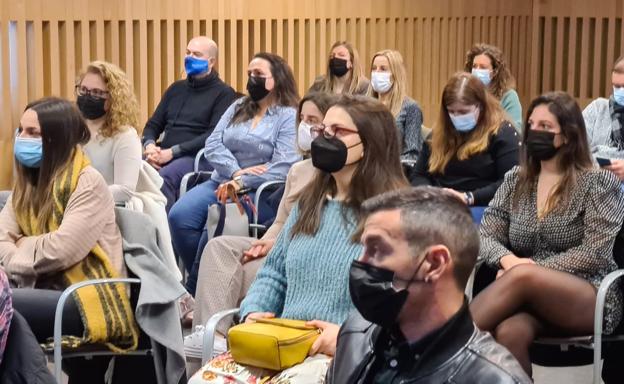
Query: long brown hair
[284,92]
[573,157]
[502,79]
[356,73]
[377,172]
[62,129]
[446,142]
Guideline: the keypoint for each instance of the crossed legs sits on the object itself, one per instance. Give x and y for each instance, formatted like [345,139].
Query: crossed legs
[529,301]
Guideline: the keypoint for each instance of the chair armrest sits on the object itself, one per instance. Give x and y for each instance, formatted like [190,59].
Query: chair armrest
[58,316]
[198,157]
[601,297]
[209,332]
[259,191]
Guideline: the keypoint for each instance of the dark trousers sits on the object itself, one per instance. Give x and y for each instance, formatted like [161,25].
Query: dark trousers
[172,174]
[37,306]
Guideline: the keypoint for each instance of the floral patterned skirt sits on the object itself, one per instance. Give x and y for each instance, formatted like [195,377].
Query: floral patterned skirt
[224,370]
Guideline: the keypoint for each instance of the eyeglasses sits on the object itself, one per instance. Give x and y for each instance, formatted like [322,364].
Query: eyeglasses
[330,131]
[94,93]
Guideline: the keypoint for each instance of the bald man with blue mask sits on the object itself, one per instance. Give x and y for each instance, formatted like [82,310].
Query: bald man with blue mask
[186,115]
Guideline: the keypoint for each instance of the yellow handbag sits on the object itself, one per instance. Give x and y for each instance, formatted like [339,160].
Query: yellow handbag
[274,344]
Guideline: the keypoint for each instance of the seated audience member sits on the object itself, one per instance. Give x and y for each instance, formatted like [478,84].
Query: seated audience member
[550,231]
[58,228]
[106,100]
[186,115]
[359,144]
[472,146]
[412,322]
[389,85]
[6,311]
[254,142]
[604,119]
[229,263]
[344,73]
[487,63]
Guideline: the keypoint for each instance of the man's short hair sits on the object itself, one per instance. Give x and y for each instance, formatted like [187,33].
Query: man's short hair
[431,216]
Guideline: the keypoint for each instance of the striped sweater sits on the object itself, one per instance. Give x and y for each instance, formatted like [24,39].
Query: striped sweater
[307,277]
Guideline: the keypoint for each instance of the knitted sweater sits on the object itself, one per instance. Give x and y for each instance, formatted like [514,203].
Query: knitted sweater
[307,277]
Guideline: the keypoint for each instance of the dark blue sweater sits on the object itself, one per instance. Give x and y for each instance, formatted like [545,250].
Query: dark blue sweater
[187,114]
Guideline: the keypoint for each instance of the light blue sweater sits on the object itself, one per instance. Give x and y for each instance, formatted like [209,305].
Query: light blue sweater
[307,277]
[510,102]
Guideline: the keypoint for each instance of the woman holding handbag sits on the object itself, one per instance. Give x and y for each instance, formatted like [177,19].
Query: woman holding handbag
[305,275]
[253,143]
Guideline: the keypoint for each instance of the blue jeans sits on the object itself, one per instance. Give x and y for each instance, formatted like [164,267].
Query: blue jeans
[187,220]
[477,214]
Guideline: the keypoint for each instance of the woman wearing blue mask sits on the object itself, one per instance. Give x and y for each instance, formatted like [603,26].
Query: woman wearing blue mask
[471,147]
[58,228]
[389,85]
[486,62]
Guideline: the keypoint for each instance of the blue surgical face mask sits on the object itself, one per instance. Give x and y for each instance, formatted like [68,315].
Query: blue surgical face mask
[465,123]
[194,66]
[28,151]
[618,95]
[483,75]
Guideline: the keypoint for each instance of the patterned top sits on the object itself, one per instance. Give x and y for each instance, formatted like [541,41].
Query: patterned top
[409,122]
[577,239]
[307,277]
[232,147]
[6,311]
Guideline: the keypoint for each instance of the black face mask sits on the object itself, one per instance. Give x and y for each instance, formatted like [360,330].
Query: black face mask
[541,145]
[256,88]
[92,108]
[338,67]
[374,295]
[329,155]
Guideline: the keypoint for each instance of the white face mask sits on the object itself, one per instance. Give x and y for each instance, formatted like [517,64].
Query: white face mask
[304,137]
[381,82]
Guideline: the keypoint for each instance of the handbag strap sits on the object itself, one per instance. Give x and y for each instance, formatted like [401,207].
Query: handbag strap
[227,191]
[221,222]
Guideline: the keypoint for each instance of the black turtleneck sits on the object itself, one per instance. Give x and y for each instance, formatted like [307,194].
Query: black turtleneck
[188,112]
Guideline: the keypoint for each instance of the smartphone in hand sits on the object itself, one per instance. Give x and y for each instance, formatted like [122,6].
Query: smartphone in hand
[603,161]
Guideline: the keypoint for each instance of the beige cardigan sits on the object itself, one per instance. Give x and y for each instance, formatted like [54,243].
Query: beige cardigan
[89,219]
[299,175]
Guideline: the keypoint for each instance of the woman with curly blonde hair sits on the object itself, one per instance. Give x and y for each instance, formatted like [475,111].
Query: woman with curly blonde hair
[486,62]
[107,102]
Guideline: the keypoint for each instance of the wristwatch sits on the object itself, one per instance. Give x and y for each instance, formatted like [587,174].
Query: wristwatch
[469,197]
[239,180]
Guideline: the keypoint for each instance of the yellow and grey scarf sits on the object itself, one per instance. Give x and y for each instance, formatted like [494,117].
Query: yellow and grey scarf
[105,309]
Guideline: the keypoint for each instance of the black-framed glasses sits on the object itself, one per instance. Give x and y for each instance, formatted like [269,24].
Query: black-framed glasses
[94,93]
[335,130]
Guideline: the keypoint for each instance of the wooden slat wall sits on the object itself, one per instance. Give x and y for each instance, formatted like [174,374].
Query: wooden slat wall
[44,43]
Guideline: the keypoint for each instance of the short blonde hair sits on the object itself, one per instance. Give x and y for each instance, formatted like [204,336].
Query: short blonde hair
[124,107]
[398,92]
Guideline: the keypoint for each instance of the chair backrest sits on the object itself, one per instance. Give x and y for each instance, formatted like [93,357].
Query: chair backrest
[4,195]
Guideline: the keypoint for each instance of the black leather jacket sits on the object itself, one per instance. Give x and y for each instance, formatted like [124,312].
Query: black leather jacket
[463,354]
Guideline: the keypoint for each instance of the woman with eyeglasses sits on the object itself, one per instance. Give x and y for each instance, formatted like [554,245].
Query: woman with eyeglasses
[254,142]
[229,263]
[110,108]
[305,275]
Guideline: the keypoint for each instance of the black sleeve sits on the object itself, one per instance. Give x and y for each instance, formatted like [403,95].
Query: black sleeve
[420,172]
[223,101]
[504,148]
[156,124]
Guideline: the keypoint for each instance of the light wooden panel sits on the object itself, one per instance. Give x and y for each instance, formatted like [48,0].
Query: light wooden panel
[45,43]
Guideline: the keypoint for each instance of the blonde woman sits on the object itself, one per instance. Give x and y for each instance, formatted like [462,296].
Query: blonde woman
[344,73]
[472,146]
[108,104]
[389,85]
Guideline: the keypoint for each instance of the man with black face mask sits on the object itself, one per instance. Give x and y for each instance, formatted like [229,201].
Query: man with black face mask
[412,323]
